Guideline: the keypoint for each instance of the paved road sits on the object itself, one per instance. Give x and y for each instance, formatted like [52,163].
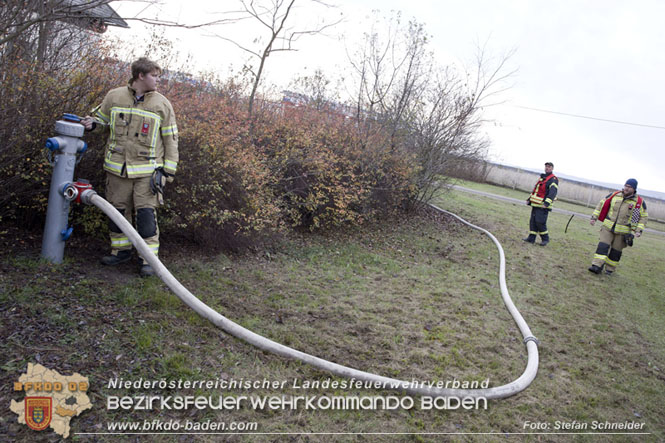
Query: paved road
[523,202]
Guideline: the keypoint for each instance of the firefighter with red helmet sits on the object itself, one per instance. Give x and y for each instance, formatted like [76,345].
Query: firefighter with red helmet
[540,200]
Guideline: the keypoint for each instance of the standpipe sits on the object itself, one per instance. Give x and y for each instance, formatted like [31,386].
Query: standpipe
[65,151]
[89,196]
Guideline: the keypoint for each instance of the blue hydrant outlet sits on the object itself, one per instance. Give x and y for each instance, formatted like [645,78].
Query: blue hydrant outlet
[65,234]
[52,144]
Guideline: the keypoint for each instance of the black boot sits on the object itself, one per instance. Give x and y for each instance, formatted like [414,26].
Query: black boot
[530,239]
[120,257]
[544,240]
[146,270]
[595,269]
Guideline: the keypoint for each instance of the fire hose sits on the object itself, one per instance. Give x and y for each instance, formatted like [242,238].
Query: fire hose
[89,196]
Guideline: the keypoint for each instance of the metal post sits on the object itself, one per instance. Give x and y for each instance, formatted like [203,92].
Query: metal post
[65,147]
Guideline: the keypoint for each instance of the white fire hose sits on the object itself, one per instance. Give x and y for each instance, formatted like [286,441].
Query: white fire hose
[91,197]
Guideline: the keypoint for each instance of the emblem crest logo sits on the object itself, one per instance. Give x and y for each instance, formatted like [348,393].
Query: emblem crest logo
[38,412]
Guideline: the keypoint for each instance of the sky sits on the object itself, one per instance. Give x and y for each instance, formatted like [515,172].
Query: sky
[602,61]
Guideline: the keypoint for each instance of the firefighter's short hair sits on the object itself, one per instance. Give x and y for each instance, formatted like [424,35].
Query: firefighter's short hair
[144,66]
[549,164]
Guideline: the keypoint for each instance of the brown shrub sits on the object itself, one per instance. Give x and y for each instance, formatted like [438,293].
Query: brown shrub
[298,168]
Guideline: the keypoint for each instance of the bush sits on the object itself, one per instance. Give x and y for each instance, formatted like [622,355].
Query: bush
[221,196]
[236,181]
[32,98]
[323,175]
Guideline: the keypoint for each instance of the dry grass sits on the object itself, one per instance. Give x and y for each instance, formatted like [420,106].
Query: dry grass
[414,298]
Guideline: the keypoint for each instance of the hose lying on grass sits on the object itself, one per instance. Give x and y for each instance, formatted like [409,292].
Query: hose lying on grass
[91,197]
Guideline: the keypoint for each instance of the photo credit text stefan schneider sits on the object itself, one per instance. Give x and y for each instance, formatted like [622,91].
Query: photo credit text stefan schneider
[233,394]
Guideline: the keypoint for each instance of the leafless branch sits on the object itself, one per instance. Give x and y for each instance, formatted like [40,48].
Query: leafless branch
[271,16]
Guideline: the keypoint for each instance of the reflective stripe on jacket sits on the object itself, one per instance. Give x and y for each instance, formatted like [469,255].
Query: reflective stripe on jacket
[143,134]
[623,216]
[544,191]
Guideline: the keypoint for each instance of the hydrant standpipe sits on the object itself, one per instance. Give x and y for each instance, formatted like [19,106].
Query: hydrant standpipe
[65,148]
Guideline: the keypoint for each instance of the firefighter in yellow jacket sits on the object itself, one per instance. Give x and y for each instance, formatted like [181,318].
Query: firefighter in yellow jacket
[141,156]
[541,200]
[624,217]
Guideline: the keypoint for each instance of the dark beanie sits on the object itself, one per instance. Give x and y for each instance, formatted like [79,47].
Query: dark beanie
[632,183]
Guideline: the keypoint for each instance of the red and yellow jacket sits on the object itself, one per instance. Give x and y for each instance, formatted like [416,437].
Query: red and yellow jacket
[143,133]
[622,215]
[544,193]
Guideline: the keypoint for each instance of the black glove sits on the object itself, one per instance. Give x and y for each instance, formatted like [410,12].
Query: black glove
[158,181]
[628,238]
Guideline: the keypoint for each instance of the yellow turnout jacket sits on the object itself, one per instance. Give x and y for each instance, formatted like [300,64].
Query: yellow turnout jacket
[143,133]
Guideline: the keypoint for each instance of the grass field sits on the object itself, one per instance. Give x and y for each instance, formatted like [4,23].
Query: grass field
[411,299]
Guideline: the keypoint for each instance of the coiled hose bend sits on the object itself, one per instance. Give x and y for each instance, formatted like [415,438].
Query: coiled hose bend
[91,197]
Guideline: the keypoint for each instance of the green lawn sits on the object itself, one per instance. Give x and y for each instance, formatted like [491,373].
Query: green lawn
[411,298]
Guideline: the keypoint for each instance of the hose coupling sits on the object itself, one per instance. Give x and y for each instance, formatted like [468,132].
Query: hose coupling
[86,196]
[531,338]
[74,191]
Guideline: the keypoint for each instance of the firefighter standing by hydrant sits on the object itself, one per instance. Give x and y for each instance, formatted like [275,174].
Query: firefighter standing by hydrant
[141,156]
[624,216]
[541,200]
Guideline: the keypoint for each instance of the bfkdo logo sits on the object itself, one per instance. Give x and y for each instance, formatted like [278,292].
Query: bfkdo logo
[51,399]
[38,412]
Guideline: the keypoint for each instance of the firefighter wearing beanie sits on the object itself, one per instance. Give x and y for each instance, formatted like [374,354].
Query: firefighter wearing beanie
[624,216]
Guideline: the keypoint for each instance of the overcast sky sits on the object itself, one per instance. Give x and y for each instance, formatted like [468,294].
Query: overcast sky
[599,59]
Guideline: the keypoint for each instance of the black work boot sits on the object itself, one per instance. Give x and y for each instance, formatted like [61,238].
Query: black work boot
[530,239]
[595,269]
[544,240]
[119,257]
[146,270]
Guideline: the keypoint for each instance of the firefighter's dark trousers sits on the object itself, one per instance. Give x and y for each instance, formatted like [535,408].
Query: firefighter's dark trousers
[538,224]
[133,197]
[609,249]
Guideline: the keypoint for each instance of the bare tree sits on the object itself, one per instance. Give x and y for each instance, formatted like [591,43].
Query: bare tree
[273,17]
[447,126]
[412,78]
[433,113]
[391,72]
[375,69]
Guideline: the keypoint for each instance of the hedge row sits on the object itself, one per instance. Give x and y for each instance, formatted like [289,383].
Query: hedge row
[290,168]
